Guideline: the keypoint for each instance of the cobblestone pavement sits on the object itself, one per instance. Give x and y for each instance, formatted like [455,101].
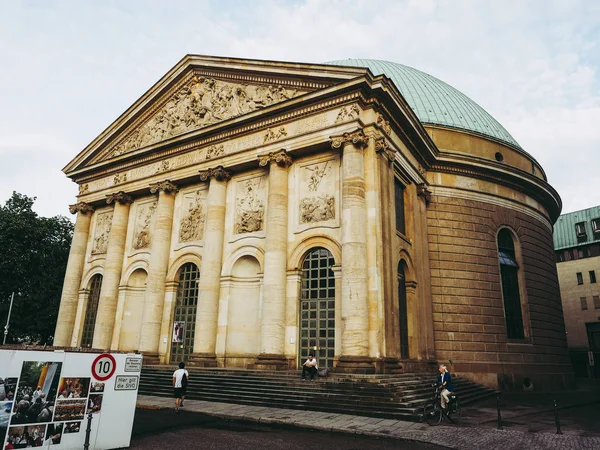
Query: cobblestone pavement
[466,436]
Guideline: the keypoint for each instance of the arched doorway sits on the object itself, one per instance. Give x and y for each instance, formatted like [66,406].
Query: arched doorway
[184,315]
[91,310]
[131,323]
[317,307]
[403,312]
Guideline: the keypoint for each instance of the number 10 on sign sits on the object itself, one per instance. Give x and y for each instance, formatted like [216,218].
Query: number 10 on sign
[104,367]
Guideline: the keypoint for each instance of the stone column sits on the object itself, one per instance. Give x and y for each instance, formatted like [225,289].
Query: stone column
[157,271]
[272,329]
[107,304]
[355,313]
[70,294]
[205,334]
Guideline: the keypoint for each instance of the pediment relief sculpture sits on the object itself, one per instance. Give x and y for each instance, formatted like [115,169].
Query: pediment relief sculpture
[200,103]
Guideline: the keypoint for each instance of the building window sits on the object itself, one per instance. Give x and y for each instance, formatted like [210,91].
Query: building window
[579,253]
[91,311]
[509,274]
[587,252]
[596,301]
[592,276]
[560,256]
[399,200]
[579,278]
[596,228]
[580,231]
[583,303]
[571,254]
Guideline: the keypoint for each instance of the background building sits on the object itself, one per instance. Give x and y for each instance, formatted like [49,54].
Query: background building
[577,247]
[245,213]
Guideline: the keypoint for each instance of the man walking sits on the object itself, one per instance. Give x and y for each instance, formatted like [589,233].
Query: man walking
[180,381]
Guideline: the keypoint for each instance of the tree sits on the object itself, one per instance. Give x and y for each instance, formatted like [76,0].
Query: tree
[34,257]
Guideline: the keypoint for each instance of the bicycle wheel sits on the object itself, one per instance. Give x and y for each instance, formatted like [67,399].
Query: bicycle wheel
[455,413]
[432,413]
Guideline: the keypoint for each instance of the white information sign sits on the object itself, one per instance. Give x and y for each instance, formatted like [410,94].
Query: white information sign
[46,396]
[133,365]
[126,382]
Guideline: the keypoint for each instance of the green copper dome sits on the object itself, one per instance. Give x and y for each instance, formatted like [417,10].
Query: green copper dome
[435,102]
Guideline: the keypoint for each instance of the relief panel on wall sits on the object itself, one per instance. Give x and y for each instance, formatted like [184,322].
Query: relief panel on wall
[249,205]
[143,225]
[317,193]
[193,216]
[102,230]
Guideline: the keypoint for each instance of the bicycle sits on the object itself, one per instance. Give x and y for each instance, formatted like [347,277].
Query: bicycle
[433,412]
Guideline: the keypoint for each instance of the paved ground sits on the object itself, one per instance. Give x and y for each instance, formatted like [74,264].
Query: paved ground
[159,429]
[477,431]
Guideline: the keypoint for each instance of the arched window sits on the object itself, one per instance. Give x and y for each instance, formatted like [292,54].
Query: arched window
[91,310]
[509,273]
[184,317]
[402,312]
[317,307]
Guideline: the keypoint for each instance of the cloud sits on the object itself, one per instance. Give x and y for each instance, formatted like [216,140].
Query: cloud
[71,68]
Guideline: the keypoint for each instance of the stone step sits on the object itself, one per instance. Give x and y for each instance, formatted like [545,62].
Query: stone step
[400,396]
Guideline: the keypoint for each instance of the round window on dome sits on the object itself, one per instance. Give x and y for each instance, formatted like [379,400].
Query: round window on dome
[499,157]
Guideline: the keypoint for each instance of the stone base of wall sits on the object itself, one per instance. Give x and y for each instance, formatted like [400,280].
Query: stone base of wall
[511,377]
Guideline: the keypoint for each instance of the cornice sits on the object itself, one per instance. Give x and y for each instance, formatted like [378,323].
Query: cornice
[506,176]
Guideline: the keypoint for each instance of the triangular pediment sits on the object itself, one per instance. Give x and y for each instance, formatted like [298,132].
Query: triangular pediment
[199,101]
[200,92]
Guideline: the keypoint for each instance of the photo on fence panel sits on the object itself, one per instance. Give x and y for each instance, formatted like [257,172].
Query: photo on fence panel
[70,388]
[70,409]
[36,392]
[26,436]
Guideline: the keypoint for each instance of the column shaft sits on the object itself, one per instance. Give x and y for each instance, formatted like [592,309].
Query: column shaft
[107,304]
[70,293]
[157,271]
[210,272]
[355,338]
[272,331]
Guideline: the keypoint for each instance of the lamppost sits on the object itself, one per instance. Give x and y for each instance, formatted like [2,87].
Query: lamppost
[12,297]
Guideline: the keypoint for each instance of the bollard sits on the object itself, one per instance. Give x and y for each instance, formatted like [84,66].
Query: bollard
[557,418]
[498,408]
[88,430]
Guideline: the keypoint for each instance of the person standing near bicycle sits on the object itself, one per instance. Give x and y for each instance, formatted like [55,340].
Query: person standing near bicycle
[444,381]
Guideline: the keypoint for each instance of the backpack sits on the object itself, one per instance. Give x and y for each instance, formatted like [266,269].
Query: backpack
[184,380]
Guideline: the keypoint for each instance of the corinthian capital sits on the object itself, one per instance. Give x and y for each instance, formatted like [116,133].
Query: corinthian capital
[383,148]
[121,197]
[163,186]
[356,138]
[281,158]
[81,207]
[219,173]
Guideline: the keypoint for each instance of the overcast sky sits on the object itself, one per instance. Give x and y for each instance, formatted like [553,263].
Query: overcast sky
[68,69]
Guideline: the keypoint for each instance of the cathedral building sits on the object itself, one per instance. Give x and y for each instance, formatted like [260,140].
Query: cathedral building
[246,213]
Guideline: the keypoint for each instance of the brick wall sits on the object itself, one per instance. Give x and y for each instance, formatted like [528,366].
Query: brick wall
[469,323]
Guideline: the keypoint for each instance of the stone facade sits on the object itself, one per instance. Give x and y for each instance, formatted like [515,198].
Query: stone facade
[252,218]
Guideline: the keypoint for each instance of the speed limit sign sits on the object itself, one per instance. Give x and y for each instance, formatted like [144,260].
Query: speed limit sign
[104,367]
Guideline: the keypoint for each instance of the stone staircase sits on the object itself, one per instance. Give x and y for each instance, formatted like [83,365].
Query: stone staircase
[399,397]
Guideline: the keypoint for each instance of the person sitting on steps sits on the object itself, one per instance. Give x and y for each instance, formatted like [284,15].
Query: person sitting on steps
[310,366]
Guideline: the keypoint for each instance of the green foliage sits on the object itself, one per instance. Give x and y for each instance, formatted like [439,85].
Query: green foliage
[34,257]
